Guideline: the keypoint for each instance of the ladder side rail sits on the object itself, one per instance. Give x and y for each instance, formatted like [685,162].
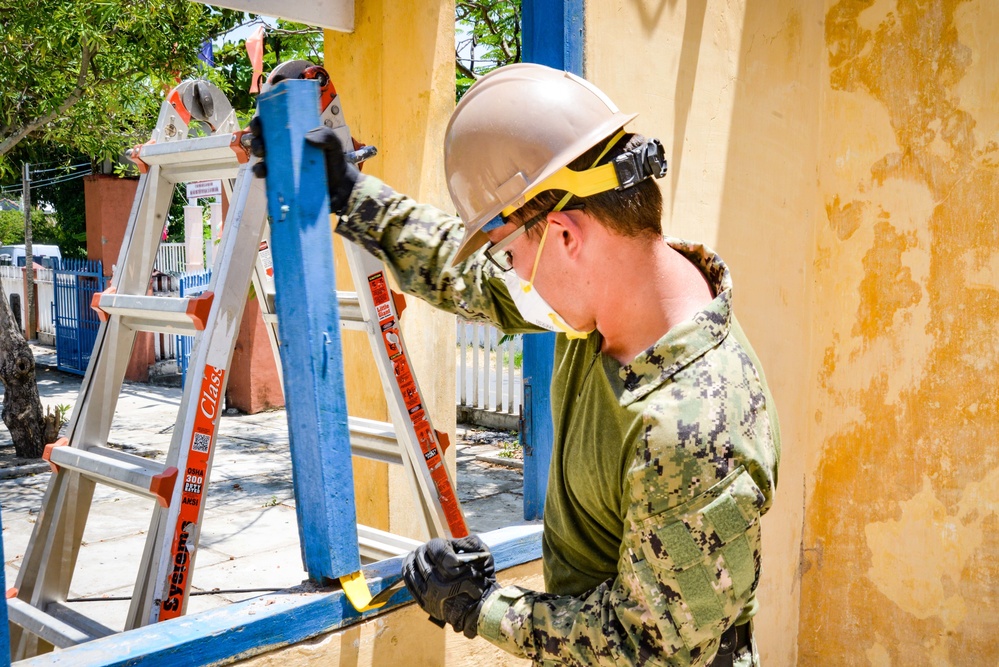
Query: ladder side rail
[409,412]
[309,328]
[263,286]
[151,192]
[193,445]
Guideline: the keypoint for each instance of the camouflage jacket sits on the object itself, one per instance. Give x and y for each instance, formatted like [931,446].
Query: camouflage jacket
[660,471]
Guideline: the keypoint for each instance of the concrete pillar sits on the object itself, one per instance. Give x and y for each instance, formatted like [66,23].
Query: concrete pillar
[194,238]
[395,77]
[254,384]
[215,222]
[108,203]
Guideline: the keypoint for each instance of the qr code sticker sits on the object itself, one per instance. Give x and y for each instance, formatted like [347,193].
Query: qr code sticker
[201,443]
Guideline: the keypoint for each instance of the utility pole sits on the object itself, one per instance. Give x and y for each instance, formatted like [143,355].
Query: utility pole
[29,258]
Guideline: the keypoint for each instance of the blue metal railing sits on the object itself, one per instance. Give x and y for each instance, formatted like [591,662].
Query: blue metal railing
[75,281]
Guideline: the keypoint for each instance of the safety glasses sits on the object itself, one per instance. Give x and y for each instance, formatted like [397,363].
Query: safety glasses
[498,254]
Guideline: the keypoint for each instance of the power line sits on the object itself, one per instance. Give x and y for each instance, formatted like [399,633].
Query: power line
[52,180]
[72,166]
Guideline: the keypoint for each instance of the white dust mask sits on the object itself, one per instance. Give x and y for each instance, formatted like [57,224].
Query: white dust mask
[532,306]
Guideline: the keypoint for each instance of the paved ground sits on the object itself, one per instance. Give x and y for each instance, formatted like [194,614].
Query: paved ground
[250,536]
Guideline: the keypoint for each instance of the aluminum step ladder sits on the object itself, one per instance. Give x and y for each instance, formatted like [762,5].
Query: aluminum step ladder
[39,616]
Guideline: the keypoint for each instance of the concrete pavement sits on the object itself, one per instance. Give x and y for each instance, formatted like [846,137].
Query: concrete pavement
[249,540]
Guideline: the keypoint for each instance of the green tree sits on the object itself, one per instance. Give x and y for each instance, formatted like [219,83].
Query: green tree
[89,76]
[488,36]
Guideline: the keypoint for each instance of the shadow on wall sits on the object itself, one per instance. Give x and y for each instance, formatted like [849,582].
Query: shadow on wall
[683,95]
[765,236]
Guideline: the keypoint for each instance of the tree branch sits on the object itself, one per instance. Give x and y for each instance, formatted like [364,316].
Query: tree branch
[464,69]
[74,97]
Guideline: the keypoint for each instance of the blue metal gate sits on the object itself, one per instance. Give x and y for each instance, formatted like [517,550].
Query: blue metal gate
[75,283]
[190,285]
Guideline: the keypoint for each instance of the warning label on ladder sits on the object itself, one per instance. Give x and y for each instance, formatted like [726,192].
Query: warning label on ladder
[194,489]
[414,404]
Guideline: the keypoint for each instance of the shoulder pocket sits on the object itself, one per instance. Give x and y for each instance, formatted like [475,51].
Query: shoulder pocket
[704,557]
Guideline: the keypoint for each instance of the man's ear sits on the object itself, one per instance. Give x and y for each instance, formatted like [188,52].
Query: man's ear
[566,231]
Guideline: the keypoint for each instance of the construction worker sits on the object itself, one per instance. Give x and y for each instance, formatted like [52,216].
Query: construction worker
[666,439]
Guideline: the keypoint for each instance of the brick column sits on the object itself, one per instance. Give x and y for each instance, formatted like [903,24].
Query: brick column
[108,205]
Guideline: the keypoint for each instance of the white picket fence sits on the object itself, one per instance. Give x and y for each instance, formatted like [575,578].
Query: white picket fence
[489,377]
[171,258]
[165,284]
[12,278]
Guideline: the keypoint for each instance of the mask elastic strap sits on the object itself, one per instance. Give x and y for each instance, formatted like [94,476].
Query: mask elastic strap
[537,259]
[565,200]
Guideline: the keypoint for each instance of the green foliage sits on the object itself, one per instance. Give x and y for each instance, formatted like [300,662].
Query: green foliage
[89,76]
[283,42]
[488,37]
[12,227]
[70,229]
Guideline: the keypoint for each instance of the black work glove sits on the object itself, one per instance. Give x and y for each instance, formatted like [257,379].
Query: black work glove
[341,175]
[450,579]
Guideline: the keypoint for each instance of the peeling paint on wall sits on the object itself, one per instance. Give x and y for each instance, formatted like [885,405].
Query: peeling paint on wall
[903,498]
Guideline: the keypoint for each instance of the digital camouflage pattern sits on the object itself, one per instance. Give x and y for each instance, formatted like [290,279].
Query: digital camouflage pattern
[660,472]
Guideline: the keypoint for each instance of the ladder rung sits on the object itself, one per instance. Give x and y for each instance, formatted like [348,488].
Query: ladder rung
[197,159]
[379,545]
[53,630]
[350,312]
[350,309]
[114,468]
[75,619]
[374,440]
[166,314]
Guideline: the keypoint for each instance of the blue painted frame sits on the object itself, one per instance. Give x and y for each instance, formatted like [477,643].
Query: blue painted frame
[552,34]
[309,329]
[248,628]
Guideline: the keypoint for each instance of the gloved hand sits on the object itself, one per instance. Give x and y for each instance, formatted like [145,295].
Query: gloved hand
[450,579]
[341,175]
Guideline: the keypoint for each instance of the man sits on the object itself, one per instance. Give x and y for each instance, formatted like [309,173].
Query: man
[666,440]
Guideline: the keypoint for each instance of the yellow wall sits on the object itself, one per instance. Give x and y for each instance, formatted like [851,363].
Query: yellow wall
[395,76]
[841,156]
[901,547]
[730,90]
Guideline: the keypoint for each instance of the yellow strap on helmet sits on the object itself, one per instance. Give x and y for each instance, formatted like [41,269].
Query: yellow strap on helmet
[579,183]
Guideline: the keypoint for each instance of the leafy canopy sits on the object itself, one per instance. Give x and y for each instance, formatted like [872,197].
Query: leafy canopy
[487,37]
[89,76]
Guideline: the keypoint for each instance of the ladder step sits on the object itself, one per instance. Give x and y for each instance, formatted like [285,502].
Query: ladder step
[50,628]
[374,440]
[379,545]
[115,468]
[350,312]
[165,314]
[198,159]
[75,619]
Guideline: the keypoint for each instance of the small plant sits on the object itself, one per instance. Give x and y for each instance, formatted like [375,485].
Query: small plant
[510,449]
[55,417]
[273,502]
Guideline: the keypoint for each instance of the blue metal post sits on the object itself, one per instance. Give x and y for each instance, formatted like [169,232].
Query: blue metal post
[4,627]
[552,34]
[309,329]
